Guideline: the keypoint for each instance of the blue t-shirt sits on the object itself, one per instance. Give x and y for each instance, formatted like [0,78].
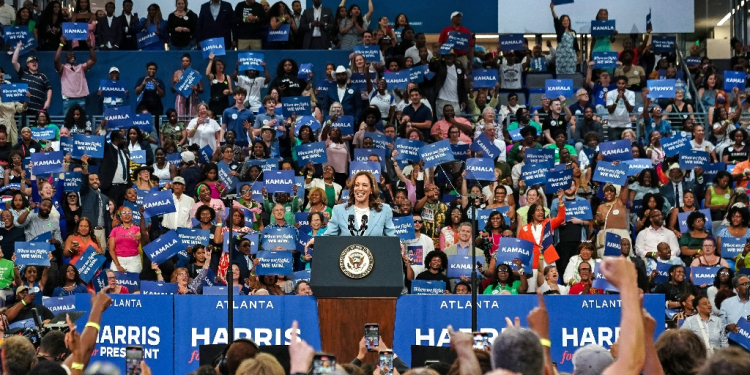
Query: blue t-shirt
[421,114]
[601,91]
[234,120]
[262,119]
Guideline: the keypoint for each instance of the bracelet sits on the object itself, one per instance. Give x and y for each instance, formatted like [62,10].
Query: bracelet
[218,224]
[85,165]
[62,45]
[76,366]
[93,325]
[158,272]
[545,342]
[24,302]
[28,209]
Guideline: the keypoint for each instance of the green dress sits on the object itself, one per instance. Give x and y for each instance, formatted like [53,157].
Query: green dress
[513,289]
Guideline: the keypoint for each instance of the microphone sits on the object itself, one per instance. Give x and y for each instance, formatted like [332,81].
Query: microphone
[364,220]
[351,225]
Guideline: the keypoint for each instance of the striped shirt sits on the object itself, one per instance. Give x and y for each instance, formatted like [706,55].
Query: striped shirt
[38,87]
[35,225]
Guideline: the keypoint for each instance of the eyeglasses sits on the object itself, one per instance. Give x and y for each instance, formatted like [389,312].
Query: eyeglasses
[418,221]
[724,273]
[502,271]
[126,213]
[243,191]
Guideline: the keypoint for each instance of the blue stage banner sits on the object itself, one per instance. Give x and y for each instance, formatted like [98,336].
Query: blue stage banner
[482,169]
[416,74]
[534,174]
[131,280]
[163,247]
[43,133]
[691,159]
[635,166]
[278,181]
[304,71]
[369,166]
[32,253]
[60,304]
[734,79]
[731,247]
[189,78]
[250,61]
[280,35]
[159,203]
[602,28]
[514,248]
[146,38]
[158,288]
[118,117]
[397,80]
[511,42]
[682,219]
[47,162]
[138,156]
[427,287]
[605,60]
[423,320]
[485,145]
[213,45]
[345,123]
[459,265]
[75,30]
[370,53]
[662,44]
[151,322]
[144,122]
[91,145]
[274,263]
[378,140]
[557,180]
[742,337]
[89,263]
[675,144]
[579,210]
[660,88]
[278,239]
[460,152]
[557,87]
[15,92]
[113,89]
[219,290]
[607,172]
[540,156]
[704,275]
[408,149]
[612,245]
[404,227]
[266,320]
[299,105]
[616,150]
[459,40]
[312,152]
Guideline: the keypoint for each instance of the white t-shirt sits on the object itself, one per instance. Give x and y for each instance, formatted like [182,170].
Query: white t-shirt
[620,118]
[510,76]
[413,52]
[449,91]
[204,134]
[705,146]
[383,102]
[427,246]
[253,87]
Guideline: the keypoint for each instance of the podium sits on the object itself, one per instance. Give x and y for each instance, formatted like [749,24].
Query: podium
[347,302]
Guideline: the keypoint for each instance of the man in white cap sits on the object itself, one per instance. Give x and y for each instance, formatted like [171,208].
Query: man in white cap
[109,99]
[464,56]
[351,101]
[674,191]
[182,203]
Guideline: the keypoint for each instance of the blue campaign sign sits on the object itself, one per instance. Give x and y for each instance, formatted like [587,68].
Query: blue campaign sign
[345,123]
[660,88]
[561,2]
[436,153]
[15,34]
[742,337]
[163,247]
[304,71]
[416,75]
[303,275]
[131,280]
[344,195]
[91,145]
[138,156]
[612,245]
[682,219]
[662,272]
[14,92]
[731,247]
[174,159]
[710,171]
[609,173]
[144,122]
[301,219]
[460,152]
[579,209]
[404,227]
[635,166]
[691,159]
[47,162]
[482,169]
[278,181]
[483,216]
[229,181]
[302,241]
[397,80]
[616,150]
[113,89]
[280,35]
[158,288]
[427,287]
[205,154]
[602,28]
[511,42]
[60,304]
[66,145]
[45,133]
[556,180]
[515,135]
[675,144]
[459,265]
[514,248]
[44,237]
[407,149]
[486,146]
[299,105]
[369,166]
[13,186]
[250,61]
[600,282]
[370,53]
[459,40]
[118,117]
[75,30]
[358,81]
[32,253]
[189,78]
[213,45]
[159,203]
[540,156]
[605,60]
[306,121]
[278,239]
[662,44]
[314,152]
[704,275]
[734,79]
[378,140]
[73,181]
[146,38]
[274,263]
[534,174]
[324,85]
[558,87]
[89,263]
[692,60]
[192,237]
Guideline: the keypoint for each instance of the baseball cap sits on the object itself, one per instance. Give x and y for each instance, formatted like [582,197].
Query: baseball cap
[114,69]
[187,156]
[456,13]
[31,58]
[179,180]
[21,288]
[591,360]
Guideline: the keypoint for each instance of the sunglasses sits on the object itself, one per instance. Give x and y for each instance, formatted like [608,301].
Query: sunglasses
[419,221]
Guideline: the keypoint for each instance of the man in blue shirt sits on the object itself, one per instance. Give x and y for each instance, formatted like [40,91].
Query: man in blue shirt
[238,118]
[417,115]
[734,308]
[270,118]
[653,119]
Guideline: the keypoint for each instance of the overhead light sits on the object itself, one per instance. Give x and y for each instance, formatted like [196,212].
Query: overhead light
[724,20]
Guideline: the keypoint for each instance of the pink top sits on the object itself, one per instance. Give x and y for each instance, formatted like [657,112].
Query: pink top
[338,156]
[73,81]
[215,193]
[443,126]
[216,204]
[125,242]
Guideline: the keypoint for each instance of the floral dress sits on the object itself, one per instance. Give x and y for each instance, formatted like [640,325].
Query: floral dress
[566,54]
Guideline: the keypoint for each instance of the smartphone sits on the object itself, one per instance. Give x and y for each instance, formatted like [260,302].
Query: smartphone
[133,358]
[386,362]
[481,340]
[429,362]
[372,336]
[323,363]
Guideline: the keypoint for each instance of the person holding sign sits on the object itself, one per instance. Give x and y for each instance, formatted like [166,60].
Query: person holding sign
[436,263]
[709,256]
[534,230]
[664,255]
[676,287]
[507,281]
[612,215]
[152,89]
[185,107]
[586,254]
[739,218]
[221,85]
[81,239]
[69,282]
[153,23]
[688,205]
[73,76]
[706,325]
[203,130]
[567,44]
[124,241]
[603,43]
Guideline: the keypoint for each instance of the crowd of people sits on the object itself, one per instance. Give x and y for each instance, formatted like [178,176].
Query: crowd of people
[670,218]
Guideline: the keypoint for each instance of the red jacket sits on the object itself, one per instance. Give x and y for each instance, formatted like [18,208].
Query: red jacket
[526,234]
